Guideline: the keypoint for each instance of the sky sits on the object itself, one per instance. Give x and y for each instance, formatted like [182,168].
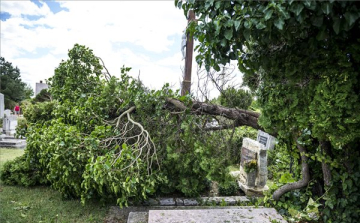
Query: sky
[144,35]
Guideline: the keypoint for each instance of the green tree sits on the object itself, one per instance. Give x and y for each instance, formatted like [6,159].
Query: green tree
[11,85]
[235,98]
[302,59]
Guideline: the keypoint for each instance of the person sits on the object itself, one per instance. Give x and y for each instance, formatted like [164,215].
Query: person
[17,110]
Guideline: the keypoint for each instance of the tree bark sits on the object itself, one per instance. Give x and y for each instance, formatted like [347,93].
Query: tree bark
[325,167]
[241,117]
[299,184]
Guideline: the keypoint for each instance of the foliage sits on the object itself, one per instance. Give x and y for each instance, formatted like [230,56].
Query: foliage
[12,87]
[229,188]
[43,96]
[111,139]
[302,60]
[19,172]
[250,166]
[238,98]
[21,128]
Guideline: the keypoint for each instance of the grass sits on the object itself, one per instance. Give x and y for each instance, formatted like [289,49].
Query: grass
[42,204]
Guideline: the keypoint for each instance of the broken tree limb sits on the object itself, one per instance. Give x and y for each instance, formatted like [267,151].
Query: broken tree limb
[241,117]
[299,184]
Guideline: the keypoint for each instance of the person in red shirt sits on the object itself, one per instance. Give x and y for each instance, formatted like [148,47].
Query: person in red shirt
[17,110]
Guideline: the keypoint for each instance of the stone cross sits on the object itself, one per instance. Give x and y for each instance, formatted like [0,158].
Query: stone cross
[253,182]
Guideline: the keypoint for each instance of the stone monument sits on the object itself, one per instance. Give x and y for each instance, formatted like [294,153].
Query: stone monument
[2,106]
[40,86]
[9,124]
[266,139]
[253,168]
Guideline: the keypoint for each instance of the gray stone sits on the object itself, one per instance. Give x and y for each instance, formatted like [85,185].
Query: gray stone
[2,106]
[267,140]
[248,182]
[179,202]
[7,112]
[215,216]
[153,202]
[40,86]
[167,202]
[232,200]
[9,123]
[190,202]
[138,217]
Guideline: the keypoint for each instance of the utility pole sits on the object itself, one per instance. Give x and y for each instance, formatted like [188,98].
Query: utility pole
[186,84]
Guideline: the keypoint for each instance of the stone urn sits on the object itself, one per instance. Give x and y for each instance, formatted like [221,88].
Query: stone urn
[251,178]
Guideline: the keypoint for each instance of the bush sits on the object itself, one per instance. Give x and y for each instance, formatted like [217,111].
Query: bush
[20,172]
[229,188]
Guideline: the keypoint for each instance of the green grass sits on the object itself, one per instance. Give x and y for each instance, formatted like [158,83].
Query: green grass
[9,154]
[42,204]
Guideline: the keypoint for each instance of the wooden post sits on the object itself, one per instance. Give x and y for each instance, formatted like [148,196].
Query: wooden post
[186,84]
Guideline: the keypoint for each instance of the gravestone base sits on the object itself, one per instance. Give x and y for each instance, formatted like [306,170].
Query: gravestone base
[253,191]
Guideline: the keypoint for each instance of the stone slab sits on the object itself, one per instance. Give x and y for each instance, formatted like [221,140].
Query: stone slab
[253,191]
[232,200]
[263,215]
[137,217]
[167,202]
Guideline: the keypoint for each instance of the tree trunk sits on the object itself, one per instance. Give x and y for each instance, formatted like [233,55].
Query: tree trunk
[299,184]
[325,167]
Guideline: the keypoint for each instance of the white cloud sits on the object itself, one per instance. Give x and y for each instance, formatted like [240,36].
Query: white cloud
[151,25]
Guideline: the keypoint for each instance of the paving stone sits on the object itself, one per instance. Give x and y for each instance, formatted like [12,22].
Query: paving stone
[179,202]
[258,215]
[167,202]
[190,202]
[138,217]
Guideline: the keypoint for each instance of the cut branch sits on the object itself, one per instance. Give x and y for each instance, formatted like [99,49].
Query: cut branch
[241,117]
[299,184]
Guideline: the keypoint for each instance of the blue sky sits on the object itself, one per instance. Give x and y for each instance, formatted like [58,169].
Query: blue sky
[144,35]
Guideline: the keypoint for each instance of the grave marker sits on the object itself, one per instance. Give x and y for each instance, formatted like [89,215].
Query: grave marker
[253,167]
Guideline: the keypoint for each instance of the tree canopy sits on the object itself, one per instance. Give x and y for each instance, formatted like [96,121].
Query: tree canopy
[302,60]
[13,88]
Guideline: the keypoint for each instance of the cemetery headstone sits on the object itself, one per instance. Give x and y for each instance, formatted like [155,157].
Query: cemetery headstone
[2,106]
[253,167]
[7,112]
[9,124]
[267,140]
[40,86]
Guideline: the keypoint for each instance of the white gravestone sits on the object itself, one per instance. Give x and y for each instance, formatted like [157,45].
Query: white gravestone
[40,86]
[9,124]
[2,106]
[267,140]
[252,150]
[7,112]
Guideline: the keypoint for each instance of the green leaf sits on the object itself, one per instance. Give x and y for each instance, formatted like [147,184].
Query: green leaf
[246,34]
[351,17]
[322,34]
[268,14]
[279,23]
[228,34]
[217,68]
[247,24]
[336,25]
[223,42]
[260,25]
[326,7]
[217,4]
[297,8]
[237,25]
